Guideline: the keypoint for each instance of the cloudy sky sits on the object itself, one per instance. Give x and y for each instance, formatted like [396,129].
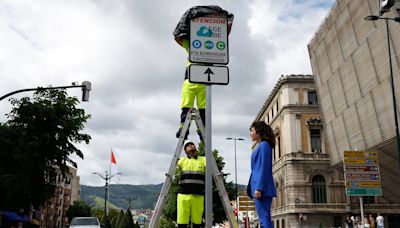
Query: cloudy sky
[125,48]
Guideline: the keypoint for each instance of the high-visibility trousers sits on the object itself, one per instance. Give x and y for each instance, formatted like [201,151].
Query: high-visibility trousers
[191,207]
[190,91]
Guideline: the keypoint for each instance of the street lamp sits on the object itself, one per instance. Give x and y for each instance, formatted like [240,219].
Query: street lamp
[397,19]
[86,87]
[237,192]
[107,178]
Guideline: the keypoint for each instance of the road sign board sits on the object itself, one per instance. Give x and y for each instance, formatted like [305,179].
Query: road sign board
[208,74]
[362,172]
[364,169]
[360,161]
[209,40]
[363,184]
[364,191]
[362,177]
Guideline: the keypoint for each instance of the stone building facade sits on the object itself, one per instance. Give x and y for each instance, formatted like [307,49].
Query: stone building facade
[310,192]
[349,58]
[54,211]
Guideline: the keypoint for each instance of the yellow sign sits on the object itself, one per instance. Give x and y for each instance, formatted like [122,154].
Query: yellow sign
[354,154]
[367,161]
[360,154]
[363,184]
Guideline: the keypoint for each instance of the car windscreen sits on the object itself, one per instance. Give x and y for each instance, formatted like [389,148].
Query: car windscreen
[84,221]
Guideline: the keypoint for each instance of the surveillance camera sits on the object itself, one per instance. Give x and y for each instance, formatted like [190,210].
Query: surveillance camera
[75,83]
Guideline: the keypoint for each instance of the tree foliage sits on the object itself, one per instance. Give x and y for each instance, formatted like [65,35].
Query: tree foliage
[106,222]
[36,142]
[120,219]
[129,219]
[170,213]
[78,209]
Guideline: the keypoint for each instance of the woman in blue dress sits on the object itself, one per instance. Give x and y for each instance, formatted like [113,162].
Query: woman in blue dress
[261,183]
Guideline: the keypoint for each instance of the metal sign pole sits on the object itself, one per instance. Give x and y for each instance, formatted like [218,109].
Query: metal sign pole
[209,160]
[362,212]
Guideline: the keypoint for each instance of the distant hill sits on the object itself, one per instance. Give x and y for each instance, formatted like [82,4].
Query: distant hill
[143,196]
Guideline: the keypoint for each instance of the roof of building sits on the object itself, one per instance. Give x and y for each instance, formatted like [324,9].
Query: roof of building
[283,80]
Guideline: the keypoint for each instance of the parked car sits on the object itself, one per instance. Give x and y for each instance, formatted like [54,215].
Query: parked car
[85,222]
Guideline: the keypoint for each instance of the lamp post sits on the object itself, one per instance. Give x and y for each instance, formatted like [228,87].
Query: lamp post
[237,192]
[106,178]
[86,87]
[397,19]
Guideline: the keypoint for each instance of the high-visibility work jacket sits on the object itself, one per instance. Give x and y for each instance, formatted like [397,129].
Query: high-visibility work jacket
[192,171]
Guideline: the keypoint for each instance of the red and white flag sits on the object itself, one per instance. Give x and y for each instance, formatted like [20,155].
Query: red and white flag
[114,169]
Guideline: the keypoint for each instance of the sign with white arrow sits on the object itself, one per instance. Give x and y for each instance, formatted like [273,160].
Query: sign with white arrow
[209,74]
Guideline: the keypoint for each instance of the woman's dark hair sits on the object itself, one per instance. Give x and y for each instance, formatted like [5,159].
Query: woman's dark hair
[264,131]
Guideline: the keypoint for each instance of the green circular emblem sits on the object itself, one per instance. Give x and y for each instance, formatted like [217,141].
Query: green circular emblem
[220,45]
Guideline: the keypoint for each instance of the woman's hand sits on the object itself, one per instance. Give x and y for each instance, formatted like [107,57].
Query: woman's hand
[257,194]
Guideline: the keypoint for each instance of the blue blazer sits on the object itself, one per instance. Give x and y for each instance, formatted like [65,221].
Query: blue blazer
[261,171]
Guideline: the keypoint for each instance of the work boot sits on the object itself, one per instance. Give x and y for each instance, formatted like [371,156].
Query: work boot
[200,136]
[178,133]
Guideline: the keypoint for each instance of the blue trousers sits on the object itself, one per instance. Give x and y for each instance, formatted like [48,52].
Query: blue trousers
[263,207]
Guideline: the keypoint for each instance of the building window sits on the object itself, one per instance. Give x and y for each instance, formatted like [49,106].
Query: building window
[315,140]
[319,189]
[337,221]
[273,154]
[277,195]
[277,223]
[312,98]
[283,223]
[282,193]
[277,107]
[267,118]
[272,112]
[279,147]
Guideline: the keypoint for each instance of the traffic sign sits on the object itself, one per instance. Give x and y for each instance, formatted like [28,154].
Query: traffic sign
[209,74]
[365,169]
[209,40]
[362,177]
[362,172]
[364,191]
[360,161]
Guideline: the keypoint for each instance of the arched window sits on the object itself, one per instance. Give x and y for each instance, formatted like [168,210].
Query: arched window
[319,189]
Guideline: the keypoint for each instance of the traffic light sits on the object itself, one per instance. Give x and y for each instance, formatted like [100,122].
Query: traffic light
[385,5]
[86,87]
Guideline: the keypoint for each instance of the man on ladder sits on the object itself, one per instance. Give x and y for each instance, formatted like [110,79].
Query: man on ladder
[190,199]
[190,91]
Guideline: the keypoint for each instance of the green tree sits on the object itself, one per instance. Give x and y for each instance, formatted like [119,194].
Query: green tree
[114,221]
[78,209]
[36,143]
[129,219]
[106,222]
[169,213]
[138,226]
[120,220]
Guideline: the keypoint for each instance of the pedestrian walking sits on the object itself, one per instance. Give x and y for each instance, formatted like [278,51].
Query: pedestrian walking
[380,221]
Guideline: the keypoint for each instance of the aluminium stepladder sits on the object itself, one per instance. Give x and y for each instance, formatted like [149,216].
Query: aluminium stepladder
[193,114]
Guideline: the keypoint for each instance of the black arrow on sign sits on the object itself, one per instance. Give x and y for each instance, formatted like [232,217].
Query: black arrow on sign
[208,72]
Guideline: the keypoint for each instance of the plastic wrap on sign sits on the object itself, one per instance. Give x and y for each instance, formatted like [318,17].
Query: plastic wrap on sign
[182,28]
